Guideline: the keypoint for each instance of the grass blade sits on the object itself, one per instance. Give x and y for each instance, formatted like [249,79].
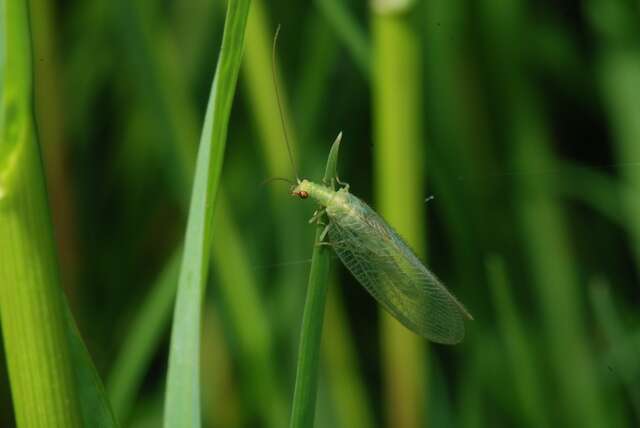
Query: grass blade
[53,381]
[304,396]
[33,325]
[239,289]
[182,404]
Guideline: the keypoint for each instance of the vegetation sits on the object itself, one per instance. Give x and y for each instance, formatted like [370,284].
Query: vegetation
[140,246]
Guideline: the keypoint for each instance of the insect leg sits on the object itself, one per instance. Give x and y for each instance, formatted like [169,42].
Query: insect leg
[316,215]
[342,183]
[329,244]
[324,233]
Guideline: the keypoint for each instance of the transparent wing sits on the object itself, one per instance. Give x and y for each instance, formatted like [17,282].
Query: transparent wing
[384,264]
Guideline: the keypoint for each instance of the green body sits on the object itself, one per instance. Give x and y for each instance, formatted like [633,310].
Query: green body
[385,265]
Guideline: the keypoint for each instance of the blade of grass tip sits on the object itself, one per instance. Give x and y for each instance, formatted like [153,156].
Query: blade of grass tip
[305,391]
[399,178]
[624,363]
[145,333]
[53,382]
[182,402]
[519,351]
[349,31]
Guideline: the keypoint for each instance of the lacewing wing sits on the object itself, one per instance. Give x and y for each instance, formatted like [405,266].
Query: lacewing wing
[384,264]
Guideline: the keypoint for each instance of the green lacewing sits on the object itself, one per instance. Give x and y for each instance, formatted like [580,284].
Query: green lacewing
[385,265]
[378,257]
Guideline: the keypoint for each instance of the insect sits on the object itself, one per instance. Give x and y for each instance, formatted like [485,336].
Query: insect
[380,259]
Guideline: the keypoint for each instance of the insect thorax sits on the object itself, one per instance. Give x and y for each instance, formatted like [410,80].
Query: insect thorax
[321,194]
[344,204]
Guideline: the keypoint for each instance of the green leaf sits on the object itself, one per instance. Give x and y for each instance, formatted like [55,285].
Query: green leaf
[182,404]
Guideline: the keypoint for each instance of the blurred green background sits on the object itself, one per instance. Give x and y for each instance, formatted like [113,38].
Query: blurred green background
[522,118]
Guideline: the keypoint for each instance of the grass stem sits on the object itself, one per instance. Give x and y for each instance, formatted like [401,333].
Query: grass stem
[32,307]
[399,191]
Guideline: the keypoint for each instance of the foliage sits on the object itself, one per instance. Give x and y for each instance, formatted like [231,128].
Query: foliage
[520,117]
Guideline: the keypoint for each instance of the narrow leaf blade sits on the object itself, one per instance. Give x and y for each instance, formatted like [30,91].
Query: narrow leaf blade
[182,404]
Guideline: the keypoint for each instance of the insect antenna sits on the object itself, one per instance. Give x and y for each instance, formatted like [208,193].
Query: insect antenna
[271,179]
[275,85]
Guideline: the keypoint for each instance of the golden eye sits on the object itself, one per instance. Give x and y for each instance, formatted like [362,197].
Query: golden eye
[303,194]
